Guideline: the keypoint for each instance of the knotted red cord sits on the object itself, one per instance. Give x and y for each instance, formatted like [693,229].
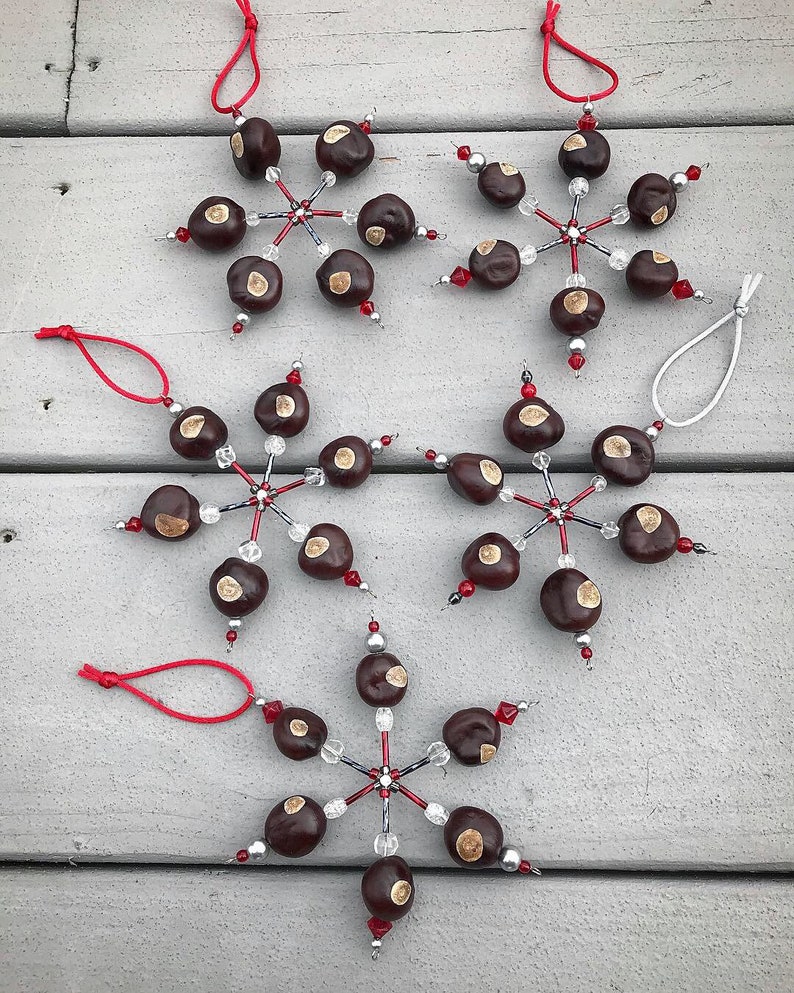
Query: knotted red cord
[68,333]
[108,680]
[249,39]
[549,31]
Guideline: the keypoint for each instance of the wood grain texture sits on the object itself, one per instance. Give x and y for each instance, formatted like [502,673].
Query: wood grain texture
[447,366]
[429,66]
[675,751]
[81,931]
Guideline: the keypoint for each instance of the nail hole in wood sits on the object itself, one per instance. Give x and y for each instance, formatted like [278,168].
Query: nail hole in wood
[46,403]
[7,534]
[62,188]
[93,64]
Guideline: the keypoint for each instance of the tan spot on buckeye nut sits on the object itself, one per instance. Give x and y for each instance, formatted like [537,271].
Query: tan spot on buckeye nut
[487,752]
[616,447]
[169,526]
[576,301]
[489,554]
[218,213]
[191,426]
[508,169]
[294,804]
[257,284]
[229,589]
[532,415]
[469,845]
[400,892]
[345,458]
[587,595]
[396,676]
[299,728]
[335,133]
[486,247]
[315,547]
[659,216]
[649,518]
[339,282]
[574,142]
[375,234]
[285,405]
[237,144]
[491,472]
[660,258]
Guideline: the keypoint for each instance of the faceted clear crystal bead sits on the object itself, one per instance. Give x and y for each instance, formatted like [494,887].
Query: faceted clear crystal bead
[386,844]
[328,177]
[210,513]
[272,174]
[436,814]
[384,719]
[335,808]
[619,259]
[507,493]
[332,751]
[225,456]
[598,483]
[252,218]
[324,250]
[578,187]
[438,753]
[519,542]
[275,445]
[528,204]
[620,213]
[566,561]
[575,279]
[298,531]
[249,551]
[314,476]
[610,530]
[350,216]
[541,460]
[528,254]
[270,253]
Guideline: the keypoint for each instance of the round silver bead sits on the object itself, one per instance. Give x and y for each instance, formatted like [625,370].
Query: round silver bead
[698,295]
[171,236]
[440,462]
[120,525]
[364,587]
[588,107]
[420,232]
[239,120]
[522,706]
[444,280]
[243,318]
[375,642]
[235,624]
[374,316]
[176,409]
[260,701]
[679,181]
[297,365]
[652,432]
[257,850]
[583,639]
[376,446]
[577,345]
[509,858]
[476,162]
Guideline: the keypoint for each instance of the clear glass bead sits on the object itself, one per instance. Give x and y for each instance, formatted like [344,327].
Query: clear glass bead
[386,844]
[252,218]
[270,253]
[297,531]
[324,250]
[528,204]
[620,213]
[610,530]
[249,551]
[519,542]
[350,216]
[541,460]
[314,476]
[438,753]
[528,254]
[328,177]
[272,174]
[436,814]
[598,483]
[335,808]
[384,719]
[578,187]
[619,259]
[258,850]
[507,493]
[210,513]
[275,444]
[566,561]
[332,751]
[575,279]
[225,456]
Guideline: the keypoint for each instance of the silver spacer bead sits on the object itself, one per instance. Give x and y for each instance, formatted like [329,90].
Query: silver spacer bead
[243,318]
[258,850]
[297,365]
[679,181]
[260,701]
[375,642]
[577,345]
[176,409]
[235,624]
[509,858]
[374,316]
[375,446]
[522,706]
[171,236]
[364,587]
[652,432]
[239,120]
[476,162]
[588,107]
[120,525]
[698,295]
[583,639]
[420,232]
[440,462]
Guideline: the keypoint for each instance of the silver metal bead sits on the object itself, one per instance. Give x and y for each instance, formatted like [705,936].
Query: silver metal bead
[679,181]
[698,295]
[652,432]
[440,462]
[588,107]
[375,642]
[364,587]
[176,409]
[376,446]
[522,706]
[235,624]
[444,281]
[243,318]
[239,120]
[577,345]
[120,525]
[257,850]
[171,236]
[420,232]
[476,162]
[583,639]
[374,316]
[297,365]
[509,858]
[260,701]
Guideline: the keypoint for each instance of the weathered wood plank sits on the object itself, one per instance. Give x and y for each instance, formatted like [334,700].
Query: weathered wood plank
[423,64]
[447,365]
[90,930]
[675,751]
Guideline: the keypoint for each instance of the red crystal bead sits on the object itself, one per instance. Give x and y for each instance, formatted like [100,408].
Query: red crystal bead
[231,637]
[659,425]
[271,710]
[365,126]
[682,289]
[576,362]
[237,327]
[293,376]
[430,455]
[352,578]
[183,235]
[385,440]
[587,123]
[528,390]
[506,713]
[685,545]
[431,235]
[464,152]
[587,654]
[242,855]
[378,927]
[374,626]
[133,524]
[460,276]
[366,308]
[693,173]
[524,866]
[466,588]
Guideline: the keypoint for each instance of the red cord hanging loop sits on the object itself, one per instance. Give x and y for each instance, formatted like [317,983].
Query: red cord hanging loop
[107,680]
[249,39]
[68,333]
[549,31]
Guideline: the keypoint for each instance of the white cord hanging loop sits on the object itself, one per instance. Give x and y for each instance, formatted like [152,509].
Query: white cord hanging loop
[739,311]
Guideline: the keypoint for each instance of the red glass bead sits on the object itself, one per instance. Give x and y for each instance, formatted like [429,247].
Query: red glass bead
[378,927]
[587,123]
[524,866]
[506,713]
[271,710]
[352,578]
[293,376]
[385,440]
[685,545]
[464,152]
[365,126]
[430,455]
[237,327]
[460,276]
[693,173]
[587,654]
[374,626]
[528,390]
[659,425]
[133,524]
[466,588]
[167,401]
[431,235]
[682,289]
[183,235]
[242,855]
[576,362]
[231,637]
[366,308]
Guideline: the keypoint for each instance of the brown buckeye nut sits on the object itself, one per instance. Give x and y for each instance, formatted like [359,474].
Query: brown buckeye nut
[299,734]
[346,462]
[387,888]
[171,514]
[197,433]
[255,147]
[295,826]
[283,409]
[381,680]
[344,149]
[326,553]
[216,224]
[346,279]
[491,561]
[473,736]
[623,455]
[494,264]
[532,425]
[651,200]
[650,274]
[254,284]
[501,184]
[648,534]
[575,311]
[386,221]
[237,588]
[477,478]
[584,153]
[473,837]
[570,601]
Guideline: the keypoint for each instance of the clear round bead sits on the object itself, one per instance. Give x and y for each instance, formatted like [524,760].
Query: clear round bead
[225,456]
[297,532]
[528,204]
[332,751]
[598,483]
[566,561]
[257,850]
[438,753]
[272,174]
[350,216]
[252,218]
[528,254]
[436,814]
[335,808]
[386,844]
[210,513]
[384,719]
[519,542]
[620,213]
[578,187]
[324,250]
[619,259]
[575,279]
[541,460]
[275,444]
[610,530]
[250,551]
[314,476]
[270,252]
[507,493]
[328,177]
